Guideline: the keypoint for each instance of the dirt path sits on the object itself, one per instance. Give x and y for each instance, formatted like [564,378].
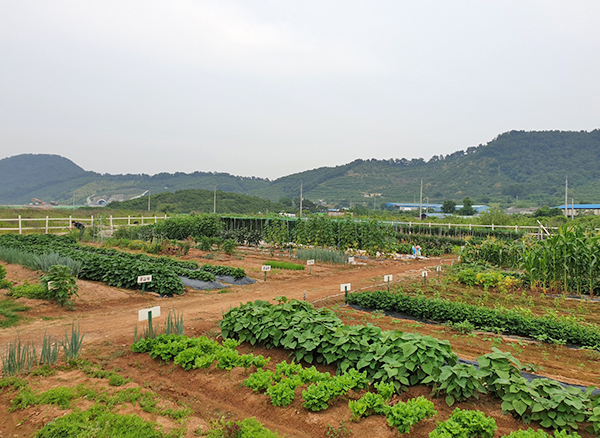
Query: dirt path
[107,313]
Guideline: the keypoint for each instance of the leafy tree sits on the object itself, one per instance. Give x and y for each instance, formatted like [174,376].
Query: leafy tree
[449,207]
[546,211]
[495,216]
[61,285]
[287,202]
[467,208]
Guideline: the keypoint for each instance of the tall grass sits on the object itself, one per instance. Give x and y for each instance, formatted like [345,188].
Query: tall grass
[173,326]
[46,261]
[279,264]
[20,357]
[72,345]
[41,262]
[322,255]
[50,350]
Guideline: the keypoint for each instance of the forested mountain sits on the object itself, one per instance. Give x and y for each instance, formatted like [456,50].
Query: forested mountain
[526,166]
[518,165]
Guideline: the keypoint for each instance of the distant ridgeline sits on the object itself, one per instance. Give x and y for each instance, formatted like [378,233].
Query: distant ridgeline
[517,165]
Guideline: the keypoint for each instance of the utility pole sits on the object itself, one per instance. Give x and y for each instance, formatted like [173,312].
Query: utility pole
[148,199]
[566,197]
[421,201]
[215,201]
[300,198]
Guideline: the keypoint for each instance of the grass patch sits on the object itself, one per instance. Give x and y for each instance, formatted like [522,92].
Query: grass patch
[284,265]
[9,315]
[248,427]
[322,255]
[100,422]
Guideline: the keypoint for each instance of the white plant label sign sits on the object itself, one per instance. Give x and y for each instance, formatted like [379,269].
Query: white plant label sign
[388,278]
[143,314]
[350,259]
[266,268]
[424,273]
[310,262]
[344,287]
[144,279]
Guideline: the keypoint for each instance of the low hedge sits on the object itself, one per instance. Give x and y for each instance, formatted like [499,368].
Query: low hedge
[511,322]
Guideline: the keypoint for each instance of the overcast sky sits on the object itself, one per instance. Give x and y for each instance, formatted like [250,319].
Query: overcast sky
[273,87]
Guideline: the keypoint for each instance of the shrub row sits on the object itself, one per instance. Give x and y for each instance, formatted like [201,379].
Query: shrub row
[439,310]
[318,335]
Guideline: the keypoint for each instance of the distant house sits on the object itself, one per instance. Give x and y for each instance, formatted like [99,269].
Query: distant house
[575,209]
[407,206]
[436,208]
[521,210]
[336,212]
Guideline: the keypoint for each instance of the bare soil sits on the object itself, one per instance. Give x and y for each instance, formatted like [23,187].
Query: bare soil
[107,317]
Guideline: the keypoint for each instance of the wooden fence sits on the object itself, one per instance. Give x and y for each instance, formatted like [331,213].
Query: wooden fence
[54,225]
[108,224]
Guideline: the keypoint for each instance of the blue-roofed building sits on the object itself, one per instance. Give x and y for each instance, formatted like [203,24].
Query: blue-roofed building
[436,208]
[575,209]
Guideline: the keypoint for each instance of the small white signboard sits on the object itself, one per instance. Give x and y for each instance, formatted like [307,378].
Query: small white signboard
[350,259]
[143,314]
[424,273]
[50,286]
[266,268]
[310,262]
[439,268]
[144,279]
[388,278]
[345,287]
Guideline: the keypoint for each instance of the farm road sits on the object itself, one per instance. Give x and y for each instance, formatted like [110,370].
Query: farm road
[106,313]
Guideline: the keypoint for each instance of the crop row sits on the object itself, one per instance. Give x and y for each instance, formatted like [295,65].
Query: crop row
[403,359]
[117,268]
[568,260]
[511,322]
[280,386]
[370,235]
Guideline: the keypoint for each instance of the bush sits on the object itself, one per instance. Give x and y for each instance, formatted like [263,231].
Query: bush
[61,285]
[229,246]
[4,283]
[33,291]
[465,424]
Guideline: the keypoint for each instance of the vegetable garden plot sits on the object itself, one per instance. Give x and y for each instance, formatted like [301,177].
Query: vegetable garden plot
[567,261]
[404,359]
[121,269]
[483,318]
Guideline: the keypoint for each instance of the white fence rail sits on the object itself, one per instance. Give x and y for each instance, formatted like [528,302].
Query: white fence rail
[54,225]
[108,224]
[517,228]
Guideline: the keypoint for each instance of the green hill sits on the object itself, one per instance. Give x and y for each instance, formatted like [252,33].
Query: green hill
[518,165]
[529,167]
[192,200]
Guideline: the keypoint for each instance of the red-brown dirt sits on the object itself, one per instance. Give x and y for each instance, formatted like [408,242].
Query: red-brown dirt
[107,317]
